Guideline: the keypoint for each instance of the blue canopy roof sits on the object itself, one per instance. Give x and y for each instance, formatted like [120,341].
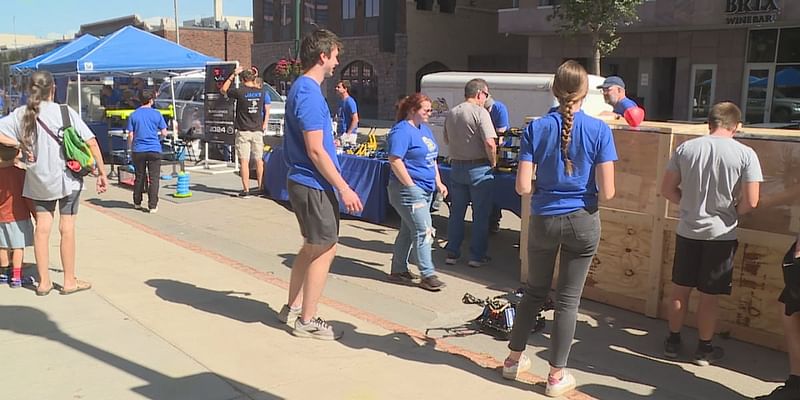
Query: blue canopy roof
[128,51]
[58,52]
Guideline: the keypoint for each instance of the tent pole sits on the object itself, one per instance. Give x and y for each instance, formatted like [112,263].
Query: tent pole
[80,109]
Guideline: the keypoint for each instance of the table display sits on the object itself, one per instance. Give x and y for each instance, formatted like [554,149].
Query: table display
[368,177]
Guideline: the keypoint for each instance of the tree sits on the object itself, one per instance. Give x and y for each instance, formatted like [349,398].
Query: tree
[600,18]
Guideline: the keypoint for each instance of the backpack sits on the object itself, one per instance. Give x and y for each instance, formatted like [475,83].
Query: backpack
[79,159]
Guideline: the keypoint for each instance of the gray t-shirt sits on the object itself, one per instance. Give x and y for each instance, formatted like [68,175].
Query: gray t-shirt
[712,169]
[466,130]
[46,177]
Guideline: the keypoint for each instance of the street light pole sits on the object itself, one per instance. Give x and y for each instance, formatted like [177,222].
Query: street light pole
[177,31]
[296,28]
[225,31]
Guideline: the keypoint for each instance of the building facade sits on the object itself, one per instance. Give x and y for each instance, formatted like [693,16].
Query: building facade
[684,55]
[389,44]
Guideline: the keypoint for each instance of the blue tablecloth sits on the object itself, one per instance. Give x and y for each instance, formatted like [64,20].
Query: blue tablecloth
[505,192]
[367,176]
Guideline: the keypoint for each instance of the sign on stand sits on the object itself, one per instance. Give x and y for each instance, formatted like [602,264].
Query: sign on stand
[219,110]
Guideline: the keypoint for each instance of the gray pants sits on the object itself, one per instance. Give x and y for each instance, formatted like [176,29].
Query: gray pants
[574,237]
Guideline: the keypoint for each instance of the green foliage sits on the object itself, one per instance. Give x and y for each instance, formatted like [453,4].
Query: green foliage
[601,18]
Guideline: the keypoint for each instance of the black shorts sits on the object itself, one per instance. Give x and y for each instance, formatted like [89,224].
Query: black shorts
[317,212]
[704,264]
[790,296]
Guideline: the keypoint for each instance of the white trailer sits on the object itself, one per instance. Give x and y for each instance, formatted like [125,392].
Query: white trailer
[527,96]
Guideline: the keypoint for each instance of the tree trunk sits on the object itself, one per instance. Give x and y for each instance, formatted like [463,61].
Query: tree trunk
[596,53]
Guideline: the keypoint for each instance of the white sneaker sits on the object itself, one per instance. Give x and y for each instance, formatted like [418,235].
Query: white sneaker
[512,371]
[153,210]
[288,315]
[556,388]
[138,207]
[317,328]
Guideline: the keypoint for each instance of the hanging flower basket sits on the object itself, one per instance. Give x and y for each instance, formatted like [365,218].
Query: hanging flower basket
[287,69]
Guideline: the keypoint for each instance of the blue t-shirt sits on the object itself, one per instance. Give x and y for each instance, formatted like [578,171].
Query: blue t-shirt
[623,105]
[307,110]
[146,123]
[556,192]
[499,114]
[418,150]
[347,107]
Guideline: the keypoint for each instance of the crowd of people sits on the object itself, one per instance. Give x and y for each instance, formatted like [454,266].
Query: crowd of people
[566,163]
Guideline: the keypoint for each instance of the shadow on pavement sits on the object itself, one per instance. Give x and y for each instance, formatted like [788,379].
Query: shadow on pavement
[347,266]
[236,306]
[33,322]
[611,347]
[110,203]
[229,303]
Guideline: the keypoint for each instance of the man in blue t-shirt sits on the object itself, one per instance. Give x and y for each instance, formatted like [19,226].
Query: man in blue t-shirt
[614,94]
[346,114]
[499,113]
[314,181]
[146,126]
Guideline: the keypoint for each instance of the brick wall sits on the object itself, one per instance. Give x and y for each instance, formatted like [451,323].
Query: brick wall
[211,42]
[390,68]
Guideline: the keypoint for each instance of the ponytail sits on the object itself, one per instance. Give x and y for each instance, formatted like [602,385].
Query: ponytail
[39,88]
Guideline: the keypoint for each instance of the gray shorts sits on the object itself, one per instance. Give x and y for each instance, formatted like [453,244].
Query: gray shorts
[66,205]
[317,212]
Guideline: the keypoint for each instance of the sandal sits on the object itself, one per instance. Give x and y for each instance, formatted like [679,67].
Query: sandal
[40,292]
[79,287]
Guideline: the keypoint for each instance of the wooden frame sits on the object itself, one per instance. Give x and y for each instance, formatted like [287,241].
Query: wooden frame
[633,266]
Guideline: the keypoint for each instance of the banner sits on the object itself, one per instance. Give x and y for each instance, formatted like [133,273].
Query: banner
[219,110]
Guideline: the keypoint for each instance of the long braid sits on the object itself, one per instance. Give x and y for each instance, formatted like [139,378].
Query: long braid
[567,117]
[41,84]
[570,85]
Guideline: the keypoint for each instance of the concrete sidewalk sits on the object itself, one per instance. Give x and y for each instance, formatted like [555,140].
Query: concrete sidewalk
[184,307]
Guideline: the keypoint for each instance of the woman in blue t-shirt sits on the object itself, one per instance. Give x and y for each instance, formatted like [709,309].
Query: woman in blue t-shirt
[414,179]
[573,155]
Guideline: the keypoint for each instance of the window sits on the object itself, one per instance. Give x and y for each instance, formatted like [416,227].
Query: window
[269,19]
[761,46]
[548,3]
[373,8]
[287,17]
[789,46]
[191,91]
[348,9]
[702,90]
[315,13]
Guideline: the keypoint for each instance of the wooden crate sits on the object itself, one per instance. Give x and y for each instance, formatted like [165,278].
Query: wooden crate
[633,266]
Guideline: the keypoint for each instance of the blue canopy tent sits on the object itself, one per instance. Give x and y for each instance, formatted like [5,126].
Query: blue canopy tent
[58,52]
[129,51]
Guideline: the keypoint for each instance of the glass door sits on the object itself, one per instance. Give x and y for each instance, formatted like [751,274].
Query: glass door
[757,93]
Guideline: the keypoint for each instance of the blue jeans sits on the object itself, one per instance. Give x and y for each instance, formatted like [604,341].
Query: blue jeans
[574,237]
[413,205]
[470,183]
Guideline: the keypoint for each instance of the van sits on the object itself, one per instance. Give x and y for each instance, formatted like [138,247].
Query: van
[527,96]
[190,111]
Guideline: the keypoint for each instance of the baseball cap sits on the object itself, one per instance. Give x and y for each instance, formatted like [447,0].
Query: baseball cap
[612,81]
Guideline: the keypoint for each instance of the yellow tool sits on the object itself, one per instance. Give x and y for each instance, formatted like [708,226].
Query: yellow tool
[372,140]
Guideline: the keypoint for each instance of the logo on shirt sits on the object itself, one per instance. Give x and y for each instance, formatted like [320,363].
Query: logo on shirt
[428,142]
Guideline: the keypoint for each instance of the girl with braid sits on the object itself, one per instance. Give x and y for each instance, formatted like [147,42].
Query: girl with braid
[573,155]
[47,181]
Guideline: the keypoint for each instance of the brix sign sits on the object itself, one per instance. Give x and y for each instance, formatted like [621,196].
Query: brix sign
[751,6]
